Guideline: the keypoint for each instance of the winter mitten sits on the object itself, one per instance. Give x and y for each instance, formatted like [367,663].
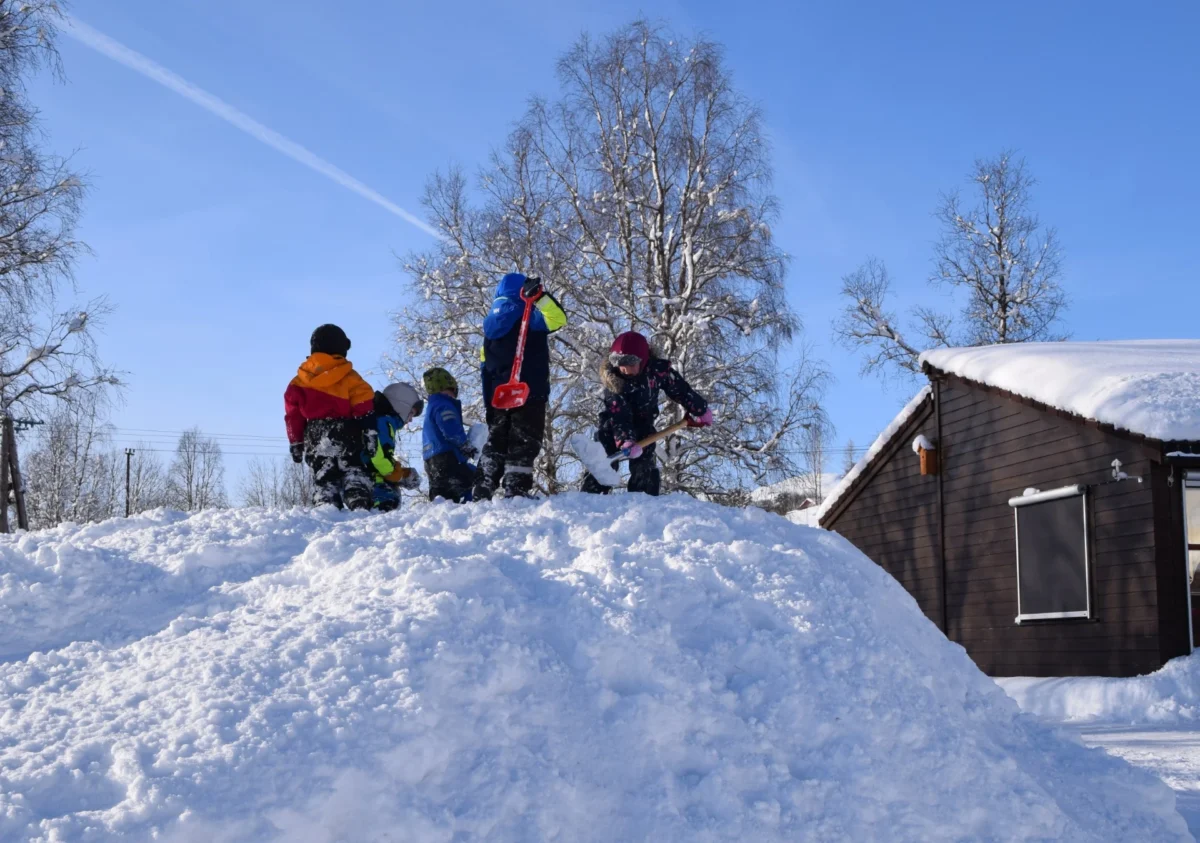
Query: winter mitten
[630,448]
[411,481]
[468,450]
[702,421]
[532,288]
[297,449]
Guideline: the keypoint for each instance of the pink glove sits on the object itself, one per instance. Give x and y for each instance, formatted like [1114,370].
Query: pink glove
[703,421]
[630,448]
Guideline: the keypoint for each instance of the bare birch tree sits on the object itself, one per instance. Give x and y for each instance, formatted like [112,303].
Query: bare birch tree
[196,478]
[995,255]
[47,345]
[642,195]
[147,480]
[70,472]
[849,457]
[276,483]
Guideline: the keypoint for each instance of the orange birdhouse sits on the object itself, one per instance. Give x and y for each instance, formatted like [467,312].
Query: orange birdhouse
[927,452]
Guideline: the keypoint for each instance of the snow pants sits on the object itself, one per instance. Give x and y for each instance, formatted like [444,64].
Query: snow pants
[449,478]
[333,449]
[341,481]
[385,497]
[644,475]
[514,441]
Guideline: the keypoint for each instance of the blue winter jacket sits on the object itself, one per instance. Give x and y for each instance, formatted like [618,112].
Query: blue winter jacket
[443,429]
[500,329]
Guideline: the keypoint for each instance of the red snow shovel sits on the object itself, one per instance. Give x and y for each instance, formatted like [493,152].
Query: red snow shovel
[514,394]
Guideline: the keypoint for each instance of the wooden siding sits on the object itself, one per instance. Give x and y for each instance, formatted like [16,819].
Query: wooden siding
[993,449]
[893,517]
[1174,597]
[994,446]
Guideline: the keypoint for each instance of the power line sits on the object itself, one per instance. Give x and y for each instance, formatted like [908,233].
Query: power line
[174,440]
[224,453]
[154,431]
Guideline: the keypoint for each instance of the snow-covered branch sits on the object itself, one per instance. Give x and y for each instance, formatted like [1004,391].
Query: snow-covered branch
[642,196]
[995,256]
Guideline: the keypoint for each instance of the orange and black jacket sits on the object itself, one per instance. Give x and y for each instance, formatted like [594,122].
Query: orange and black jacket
[325,388]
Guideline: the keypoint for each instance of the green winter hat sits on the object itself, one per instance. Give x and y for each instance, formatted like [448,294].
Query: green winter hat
[438,379]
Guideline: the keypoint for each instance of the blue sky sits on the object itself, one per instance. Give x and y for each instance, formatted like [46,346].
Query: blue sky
[221,254]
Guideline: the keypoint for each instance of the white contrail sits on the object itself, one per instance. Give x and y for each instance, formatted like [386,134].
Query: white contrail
[101,43]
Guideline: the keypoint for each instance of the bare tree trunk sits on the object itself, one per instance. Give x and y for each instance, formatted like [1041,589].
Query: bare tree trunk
[6,436]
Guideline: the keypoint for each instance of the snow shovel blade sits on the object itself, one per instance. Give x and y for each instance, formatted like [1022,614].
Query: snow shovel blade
[602,466]
[509,396]
[598,464]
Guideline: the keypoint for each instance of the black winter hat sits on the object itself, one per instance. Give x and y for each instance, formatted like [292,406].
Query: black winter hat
[329,339]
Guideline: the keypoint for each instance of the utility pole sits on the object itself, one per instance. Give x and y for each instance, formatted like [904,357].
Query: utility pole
[10,471]
[128,457]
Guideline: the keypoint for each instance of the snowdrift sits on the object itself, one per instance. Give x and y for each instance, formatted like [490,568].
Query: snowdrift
[1168,697]
[580,669]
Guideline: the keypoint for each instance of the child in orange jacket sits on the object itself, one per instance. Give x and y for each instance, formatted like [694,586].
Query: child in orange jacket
[326,409]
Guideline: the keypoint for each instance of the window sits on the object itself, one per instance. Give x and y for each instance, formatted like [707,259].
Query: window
[1191,505]
[1052,554]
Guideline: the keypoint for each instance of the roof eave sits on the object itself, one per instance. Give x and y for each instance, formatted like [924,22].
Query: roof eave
[919,415]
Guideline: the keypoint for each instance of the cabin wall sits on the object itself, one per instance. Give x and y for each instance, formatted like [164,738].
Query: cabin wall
[993,448]
[893,519]
[1174,591]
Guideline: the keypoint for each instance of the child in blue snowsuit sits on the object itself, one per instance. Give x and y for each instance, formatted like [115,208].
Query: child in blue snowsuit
[515,435]
[446,447]
[397,405]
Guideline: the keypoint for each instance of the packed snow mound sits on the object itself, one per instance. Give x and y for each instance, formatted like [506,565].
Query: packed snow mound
[1169,697]
[585,668]
[1151,387]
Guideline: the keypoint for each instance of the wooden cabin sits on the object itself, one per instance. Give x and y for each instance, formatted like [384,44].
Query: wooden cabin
[1036,500]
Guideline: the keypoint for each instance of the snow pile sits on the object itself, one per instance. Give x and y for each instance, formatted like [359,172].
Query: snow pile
[805,517]
[586,668]
[799,487]
[1169,696]
[886,436]
[1151,387]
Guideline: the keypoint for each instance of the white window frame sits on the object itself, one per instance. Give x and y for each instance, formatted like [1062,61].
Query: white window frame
[1043,497]
[1191,480]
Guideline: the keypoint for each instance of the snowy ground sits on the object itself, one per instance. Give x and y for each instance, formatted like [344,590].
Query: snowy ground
[1172,754]
[1153,722]
[580,669]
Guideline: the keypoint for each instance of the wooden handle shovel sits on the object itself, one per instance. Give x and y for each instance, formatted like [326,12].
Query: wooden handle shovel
[657,435]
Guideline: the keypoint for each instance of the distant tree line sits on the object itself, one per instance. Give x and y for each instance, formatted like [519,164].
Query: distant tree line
[73,472]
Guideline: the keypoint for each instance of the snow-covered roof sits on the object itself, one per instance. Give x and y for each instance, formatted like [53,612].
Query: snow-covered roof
[1148,387]
[878,445]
